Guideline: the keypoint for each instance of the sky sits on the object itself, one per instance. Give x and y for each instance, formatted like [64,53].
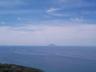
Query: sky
[42,22]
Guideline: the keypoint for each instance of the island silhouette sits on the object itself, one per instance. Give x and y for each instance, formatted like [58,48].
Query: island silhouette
[52,45]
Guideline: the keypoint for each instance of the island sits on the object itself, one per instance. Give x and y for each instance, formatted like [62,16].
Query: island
[17,68]
[51,45]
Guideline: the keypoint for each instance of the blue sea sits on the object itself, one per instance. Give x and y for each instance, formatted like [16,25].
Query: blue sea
[51,58]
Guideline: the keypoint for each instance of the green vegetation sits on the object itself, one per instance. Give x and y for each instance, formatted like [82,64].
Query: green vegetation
[17,68]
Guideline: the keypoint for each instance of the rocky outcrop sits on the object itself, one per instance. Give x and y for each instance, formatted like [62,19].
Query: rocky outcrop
[17,68]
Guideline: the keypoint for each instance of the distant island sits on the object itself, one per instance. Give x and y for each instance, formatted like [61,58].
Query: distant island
[52,45]
[17,68]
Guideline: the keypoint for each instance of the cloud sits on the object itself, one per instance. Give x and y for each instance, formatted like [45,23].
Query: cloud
[51,11]
[76,34]
[61,22]
[65,26]
[72,8]
[54,12]
[26,28]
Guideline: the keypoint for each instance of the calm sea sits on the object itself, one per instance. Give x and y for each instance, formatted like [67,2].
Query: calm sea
[51,58]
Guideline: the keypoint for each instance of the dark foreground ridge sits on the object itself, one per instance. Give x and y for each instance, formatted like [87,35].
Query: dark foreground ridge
[17,68]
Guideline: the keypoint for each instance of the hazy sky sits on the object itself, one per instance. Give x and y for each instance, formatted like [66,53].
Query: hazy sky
[41,22]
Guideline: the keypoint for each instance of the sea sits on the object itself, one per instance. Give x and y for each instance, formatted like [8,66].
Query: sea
[51,58]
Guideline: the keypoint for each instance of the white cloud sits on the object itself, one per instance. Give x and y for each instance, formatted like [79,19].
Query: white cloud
[59,22]
[54,12]
[80,34]
[52,9]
